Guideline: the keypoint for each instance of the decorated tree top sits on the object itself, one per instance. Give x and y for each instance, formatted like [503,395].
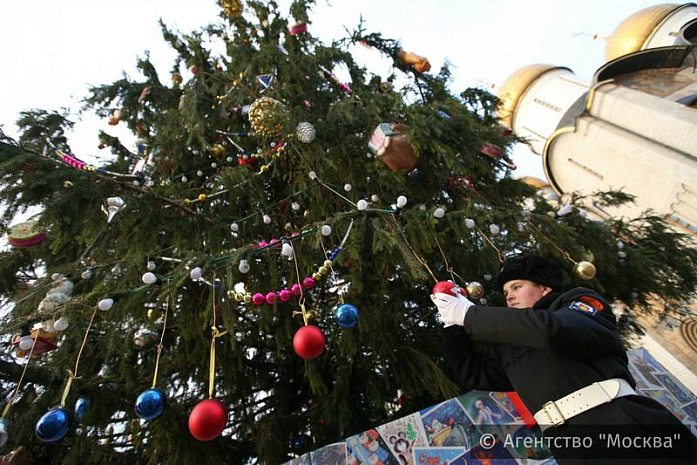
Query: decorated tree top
[270,243]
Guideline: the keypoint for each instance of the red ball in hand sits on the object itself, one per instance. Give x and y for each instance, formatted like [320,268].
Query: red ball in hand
[446,287]
[208,419]
[308,342]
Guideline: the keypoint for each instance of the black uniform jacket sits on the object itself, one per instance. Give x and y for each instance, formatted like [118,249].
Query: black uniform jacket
[564,343]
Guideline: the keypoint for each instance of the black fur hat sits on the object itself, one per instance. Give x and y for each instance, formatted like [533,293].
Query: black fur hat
[533,268]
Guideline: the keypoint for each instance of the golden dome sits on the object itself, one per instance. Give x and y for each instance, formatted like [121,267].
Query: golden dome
[532,181]
[515,86]
[632,34]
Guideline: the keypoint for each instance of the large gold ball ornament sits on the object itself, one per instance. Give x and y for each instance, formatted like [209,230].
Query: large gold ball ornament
[475,290]
[584,270]
[268,116]
[327,263]
[232,8]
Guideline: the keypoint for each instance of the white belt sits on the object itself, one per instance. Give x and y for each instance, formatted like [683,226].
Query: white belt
[555,413]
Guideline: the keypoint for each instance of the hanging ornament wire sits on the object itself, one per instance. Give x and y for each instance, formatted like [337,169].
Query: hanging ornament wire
[215,335]
[73,374]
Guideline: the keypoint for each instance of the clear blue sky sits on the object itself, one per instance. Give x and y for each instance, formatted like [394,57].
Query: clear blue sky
[52,50]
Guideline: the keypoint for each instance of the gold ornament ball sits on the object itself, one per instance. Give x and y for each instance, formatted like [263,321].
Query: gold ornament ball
[323,270]
[268,116]
[218,151]
[475,290]
[177,78]
[230,294]
[202,197]
[239,297]
[233,8]
[247,298]
[67,184]
[584,270]
[327,263]
[317,276]
[311,314]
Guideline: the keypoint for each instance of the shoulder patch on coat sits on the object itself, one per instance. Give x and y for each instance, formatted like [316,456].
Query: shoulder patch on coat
[583,307]
[593,302]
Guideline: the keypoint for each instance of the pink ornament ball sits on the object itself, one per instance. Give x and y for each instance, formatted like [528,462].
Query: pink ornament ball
[308,283]
[263,244]
[285,295]
[271,298]
[296,290]
[208,419]
[258,298]
[309,342]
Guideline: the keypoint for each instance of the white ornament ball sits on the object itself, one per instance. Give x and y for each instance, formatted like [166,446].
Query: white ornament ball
[61,324]
[149,278]
[362,205]
[622,254]
[25,342]
[565,210]
[306,132]
[234,227]
[494,229]
[469,222]
[87,274]
[56,276]
[620,245]
[105,304]
[244,266]
[439,212]
[151,265]
[422,207]
[267,219]
[348,187]
[487,277]
[185,179]
[312,175]
[287,250]
[326,230]
[295,206]
[401,201]
[374,198]
[196,273]
[199,173]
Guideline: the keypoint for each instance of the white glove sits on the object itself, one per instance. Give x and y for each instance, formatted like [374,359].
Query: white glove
[451,309]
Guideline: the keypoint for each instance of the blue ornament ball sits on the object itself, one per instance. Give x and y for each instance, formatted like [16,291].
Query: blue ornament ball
[53,425]
[150,404]
[347,315]
[81,407]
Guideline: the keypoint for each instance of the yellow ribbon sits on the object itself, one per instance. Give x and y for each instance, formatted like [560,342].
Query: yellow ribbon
[71,377]
[159,346]
[211,381]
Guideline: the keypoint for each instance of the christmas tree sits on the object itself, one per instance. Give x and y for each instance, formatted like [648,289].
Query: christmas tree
[252,279]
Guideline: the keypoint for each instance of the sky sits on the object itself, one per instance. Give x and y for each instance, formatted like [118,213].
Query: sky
[54,50]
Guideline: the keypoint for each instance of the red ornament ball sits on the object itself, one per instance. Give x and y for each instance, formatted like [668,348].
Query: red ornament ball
[208,419]
[309,342]
[446,287]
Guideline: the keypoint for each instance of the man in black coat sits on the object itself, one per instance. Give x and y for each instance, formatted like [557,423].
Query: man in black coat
[562,354]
